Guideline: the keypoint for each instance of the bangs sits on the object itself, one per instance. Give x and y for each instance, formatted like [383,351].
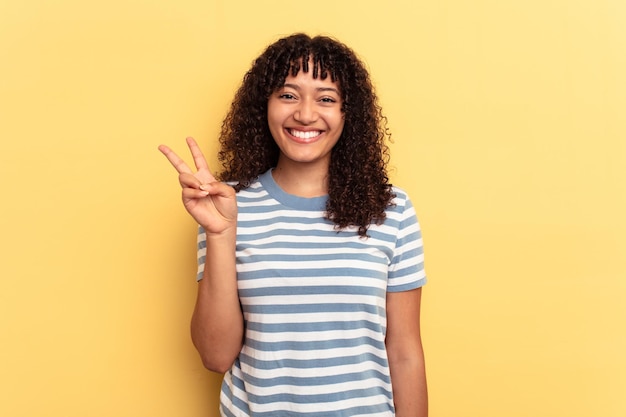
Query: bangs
[320,56]
[321,68]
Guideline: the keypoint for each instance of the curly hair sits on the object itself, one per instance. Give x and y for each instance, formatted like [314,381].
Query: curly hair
[358,185]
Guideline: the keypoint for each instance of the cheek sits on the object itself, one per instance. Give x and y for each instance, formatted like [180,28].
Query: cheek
[341,122]
[275,130]
[272,118]
[276,113]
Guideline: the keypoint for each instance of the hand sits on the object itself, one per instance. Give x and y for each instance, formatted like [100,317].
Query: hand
[211,203]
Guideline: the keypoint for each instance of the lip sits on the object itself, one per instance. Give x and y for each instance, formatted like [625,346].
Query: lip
[306,140]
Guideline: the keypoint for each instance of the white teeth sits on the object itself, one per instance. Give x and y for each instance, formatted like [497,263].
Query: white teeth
[305,135]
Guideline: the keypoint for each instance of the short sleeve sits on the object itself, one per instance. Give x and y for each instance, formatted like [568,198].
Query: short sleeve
[201,252]
[406,271]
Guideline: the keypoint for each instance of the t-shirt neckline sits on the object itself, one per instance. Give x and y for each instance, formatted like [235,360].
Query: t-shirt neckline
[290,200]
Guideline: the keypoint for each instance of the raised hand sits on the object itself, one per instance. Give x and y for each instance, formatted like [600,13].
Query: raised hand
[211,203]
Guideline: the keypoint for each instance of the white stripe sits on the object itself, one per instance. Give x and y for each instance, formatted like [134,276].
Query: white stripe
[312,318]
[304,266]
[313,354]
[276,337]
[297,282]
[317,389]
[308,299]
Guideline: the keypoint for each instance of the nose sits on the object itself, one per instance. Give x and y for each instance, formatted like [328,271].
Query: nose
[305,112]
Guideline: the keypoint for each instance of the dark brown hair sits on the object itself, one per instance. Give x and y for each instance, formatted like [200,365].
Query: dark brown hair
[358,186]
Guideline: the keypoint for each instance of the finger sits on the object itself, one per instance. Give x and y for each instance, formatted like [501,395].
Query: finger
[188,180]
[175,160]
[194,193]
[218,189]
[198,157]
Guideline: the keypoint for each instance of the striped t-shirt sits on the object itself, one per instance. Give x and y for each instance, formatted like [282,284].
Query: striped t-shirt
[313,301]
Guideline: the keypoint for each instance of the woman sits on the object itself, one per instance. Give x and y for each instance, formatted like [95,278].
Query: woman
[310,262]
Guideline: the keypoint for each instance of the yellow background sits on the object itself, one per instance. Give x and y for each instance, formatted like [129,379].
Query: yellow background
[510,135]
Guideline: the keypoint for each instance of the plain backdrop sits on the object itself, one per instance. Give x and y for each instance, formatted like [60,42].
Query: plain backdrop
[509,128]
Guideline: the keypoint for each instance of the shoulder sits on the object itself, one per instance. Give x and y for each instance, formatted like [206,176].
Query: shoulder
[401,202]
[400,195]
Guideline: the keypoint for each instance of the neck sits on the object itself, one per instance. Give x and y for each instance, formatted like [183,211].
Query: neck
[301,179]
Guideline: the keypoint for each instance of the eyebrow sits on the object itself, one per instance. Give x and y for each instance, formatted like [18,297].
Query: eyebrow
[297,87]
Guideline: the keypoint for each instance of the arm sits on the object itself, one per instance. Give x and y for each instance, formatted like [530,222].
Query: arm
[217,321]
[406,355]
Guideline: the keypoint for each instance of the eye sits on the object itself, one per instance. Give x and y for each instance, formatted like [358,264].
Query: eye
[328,100]
[286,96]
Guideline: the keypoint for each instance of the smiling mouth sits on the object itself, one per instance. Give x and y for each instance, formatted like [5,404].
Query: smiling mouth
[310,134]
